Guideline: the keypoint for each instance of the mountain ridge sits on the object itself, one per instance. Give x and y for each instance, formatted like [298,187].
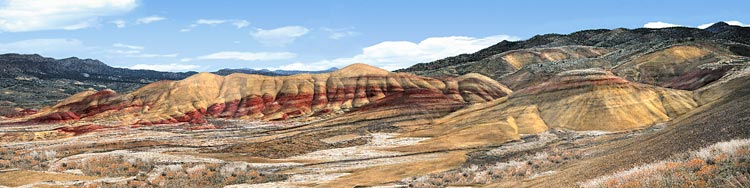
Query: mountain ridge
[615,38]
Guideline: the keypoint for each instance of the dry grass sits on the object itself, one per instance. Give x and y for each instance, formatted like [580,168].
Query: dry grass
[482,174]
[23,177]
[111,166]
[340,138]
[246,158]
[33,136]
[390,173]
[725,164]
[26,159]
[203,175]
[151,174]
[467,137]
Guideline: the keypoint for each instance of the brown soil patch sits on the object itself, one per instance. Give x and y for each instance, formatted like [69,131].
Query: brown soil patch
[389,173]
[244,158]
[23,177]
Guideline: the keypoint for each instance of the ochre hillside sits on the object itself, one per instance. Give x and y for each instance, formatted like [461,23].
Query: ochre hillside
[589,99]
[264,97]
[595,99]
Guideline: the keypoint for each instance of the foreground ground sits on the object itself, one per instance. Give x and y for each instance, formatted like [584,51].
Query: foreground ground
[305,154]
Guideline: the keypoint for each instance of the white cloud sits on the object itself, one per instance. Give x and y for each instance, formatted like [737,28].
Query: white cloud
[213,22]
[119,23]
[150,19]
[210,22]
[142,55]
[280,36]
[392,55]
[132,47]
[55,47]
[165,67]
[240,23]
[126,51]
[733,22]
[34,15]
[139,54]
[186,60]
[657,25]
[136,51]
[250,56]
[336,34]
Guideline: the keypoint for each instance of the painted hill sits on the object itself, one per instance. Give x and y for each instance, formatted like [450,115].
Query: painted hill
[594,99]
[679,57]
[264,97]
[583,100]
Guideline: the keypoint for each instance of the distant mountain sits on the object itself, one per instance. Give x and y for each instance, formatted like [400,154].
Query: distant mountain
[267,72]
[32,81]
[502,59]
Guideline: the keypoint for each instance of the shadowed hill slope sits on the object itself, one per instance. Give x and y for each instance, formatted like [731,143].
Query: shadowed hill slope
[590,99]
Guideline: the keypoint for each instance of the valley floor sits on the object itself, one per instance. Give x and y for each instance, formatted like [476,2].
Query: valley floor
[231,155]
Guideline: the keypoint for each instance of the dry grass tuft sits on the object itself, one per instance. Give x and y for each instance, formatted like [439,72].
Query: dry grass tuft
[724,164]
[523,167]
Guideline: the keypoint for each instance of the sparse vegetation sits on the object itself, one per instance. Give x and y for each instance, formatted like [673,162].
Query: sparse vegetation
[205,175]
[519,168]
[111,166]
[153,174]
[25,159]
[725,164]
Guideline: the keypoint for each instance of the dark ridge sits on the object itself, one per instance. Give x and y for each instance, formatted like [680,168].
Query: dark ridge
[619,37]
[267,72]
[33,81]
[718,27]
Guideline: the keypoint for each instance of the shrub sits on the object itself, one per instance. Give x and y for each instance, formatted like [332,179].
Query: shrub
[724,164]
[522,167]
[111,166]
[28,160]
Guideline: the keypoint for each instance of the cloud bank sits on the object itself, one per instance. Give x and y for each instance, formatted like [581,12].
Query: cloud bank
[35,15]
[392,55]
[280,36]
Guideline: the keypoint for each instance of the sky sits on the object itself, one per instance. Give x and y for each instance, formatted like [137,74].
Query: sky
[193,35]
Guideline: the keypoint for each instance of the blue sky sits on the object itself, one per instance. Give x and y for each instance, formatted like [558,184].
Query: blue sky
[311,35]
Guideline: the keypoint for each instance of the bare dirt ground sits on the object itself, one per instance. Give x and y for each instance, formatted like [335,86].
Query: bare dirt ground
[338,157]
[373,152]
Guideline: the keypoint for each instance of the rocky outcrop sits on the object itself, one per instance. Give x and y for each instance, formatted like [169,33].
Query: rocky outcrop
[268,98]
